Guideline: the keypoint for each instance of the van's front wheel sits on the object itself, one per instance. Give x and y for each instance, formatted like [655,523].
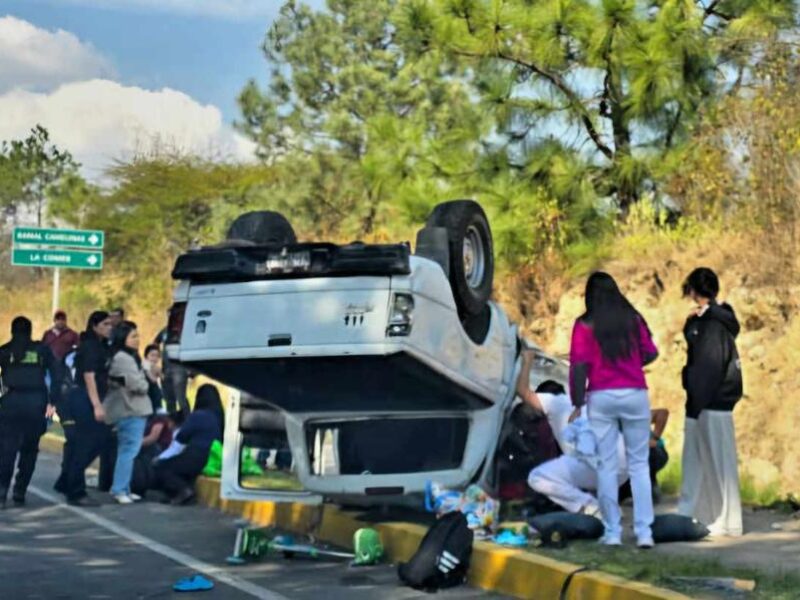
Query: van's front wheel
[471,253]
[262,228]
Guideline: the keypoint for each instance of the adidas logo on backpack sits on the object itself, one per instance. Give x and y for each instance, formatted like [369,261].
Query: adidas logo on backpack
[442,559]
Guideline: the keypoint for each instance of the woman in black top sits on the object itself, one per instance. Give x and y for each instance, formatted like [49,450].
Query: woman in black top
[82,415]
[176,475]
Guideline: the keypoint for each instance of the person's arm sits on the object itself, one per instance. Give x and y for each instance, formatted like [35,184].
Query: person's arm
[56,371]
[152,437]
[580,350]
[127,373]
[524,390]
[648,347]
[188,429]
[94,396]
[658,419]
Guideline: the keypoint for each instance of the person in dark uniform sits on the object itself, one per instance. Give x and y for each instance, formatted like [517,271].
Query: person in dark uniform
[25,404]
[84,416]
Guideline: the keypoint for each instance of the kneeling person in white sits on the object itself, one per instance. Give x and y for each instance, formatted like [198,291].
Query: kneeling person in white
[568,479]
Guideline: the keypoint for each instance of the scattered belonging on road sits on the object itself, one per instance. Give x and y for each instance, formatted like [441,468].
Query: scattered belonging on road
[195,583]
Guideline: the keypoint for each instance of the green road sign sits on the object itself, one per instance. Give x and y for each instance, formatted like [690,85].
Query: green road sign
[65,259]
[66,238]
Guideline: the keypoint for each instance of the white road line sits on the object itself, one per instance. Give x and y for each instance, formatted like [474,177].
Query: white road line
[218,573]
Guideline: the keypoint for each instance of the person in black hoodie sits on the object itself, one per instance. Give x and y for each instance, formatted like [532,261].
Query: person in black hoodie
[25,403]
[712,379]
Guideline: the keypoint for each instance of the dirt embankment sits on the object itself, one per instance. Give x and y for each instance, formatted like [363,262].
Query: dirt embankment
[769,415]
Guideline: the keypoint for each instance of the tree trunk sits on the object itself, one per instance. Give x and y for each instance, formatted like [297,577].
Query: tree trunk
[627,194]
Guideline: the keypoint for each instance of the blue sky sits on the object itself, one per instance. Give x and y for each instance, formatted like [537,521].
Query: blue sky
[208,56]
[111,78]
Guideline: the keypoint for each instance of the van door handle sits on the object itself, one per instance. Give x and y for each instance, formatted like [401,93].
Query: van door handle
[279,339]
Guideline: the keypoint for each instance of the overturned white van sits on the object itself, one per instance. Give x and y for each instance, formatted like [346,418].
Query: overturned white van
[374,369]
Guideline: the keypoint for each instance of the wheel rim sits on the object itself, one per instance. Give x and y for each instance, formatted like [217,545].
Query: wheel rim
[474,258]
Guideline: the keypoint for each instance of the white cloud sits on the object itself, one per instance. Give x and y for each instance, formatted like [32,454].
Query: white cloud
[37,59]
[101,120]
[228,9]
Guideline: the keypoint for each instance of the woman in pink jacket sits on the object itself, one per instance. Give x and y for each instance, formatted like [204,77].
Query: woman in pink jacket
[611,344]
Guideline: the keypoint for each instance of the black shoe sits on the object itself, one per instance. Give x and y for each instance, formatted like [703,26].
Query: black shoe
[19,499]
[185,496]
[84,501]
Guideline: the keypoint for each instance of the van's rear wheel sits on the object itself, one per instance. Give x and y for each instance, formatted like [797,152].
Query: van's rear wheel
[262,227]
[471,253]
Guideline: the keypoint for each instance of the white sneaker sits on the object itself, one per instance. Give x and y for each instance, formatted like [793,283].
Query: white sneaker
[645,542]
[592,509]
[135,497]
[611,540]
[122,498]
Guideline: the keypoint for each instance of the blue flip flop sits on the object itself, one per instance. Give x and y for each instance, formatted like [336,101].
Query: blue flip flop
[195,583]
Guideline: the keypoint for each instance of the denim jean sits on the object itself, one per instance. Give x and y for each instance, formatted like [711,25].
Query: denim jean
[130,432]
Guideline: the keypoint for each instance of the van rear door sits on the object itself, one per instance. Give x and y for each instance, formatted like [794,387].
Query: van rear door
[257,460]
[297,317]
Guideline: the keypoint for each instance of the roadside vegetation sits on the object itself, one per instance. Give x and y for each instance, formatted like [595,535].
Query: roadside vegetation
[661,570]
[643,139]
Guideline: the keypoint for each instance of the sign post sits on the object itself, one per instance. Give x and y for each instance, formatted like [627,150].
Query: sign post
[56,248]
[56,285]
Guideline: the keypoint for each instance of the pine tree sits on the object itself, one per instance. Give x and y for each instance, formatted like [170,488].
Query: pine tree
[614,83]
[371,136]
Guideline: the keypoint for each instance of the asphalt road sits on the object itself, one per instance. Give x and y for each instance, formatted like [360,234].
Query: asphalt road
[51,551]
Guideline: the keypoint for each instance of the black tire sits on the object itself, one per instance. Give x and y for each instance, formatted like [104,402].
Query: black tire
[471,253]
[262,227]
[477,326]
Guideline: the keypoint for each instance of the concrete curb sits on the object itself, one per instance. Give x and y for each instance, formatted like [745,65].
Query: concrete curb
[512,572]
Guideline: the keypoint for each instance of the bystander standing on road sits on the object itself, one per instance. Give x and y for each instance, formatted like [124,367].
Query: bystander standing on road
[176,475]
[116,316]
[108,453]
[152,369]
[712,379]
[610,345]
[82,414]
[174,380]
[60,338]
[25,404]
[127,406]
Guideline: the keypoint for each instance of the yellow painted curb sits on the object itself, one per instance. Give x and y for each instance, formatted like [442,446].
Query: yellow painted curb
[506,571]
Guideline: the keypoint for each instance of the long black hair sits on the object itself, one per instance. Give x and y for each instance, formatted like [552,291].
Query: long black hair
[208,398]
[612,317]
[93,321]
[118,338]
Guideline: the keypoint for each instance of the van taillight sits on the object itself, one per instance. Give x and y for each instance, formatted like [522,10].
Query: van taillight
[175,323]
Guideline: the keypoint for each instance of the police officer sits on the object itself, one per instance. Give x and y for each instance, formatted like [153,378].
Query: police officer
[25,404]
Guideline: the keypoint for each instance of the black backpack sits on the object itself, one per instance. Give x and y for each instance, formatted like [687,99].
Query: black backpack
[442,559]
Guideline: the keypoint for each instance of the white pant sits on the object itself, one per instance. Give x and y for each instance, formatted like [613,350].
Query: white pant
[564,480]
[628,410]
[710,486]
[569,481]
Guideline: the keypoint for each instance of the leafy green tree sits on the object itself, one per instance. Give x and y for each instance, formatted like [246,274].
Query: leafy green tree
[156,207]
[366,137]
[31,170]
[616,84]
